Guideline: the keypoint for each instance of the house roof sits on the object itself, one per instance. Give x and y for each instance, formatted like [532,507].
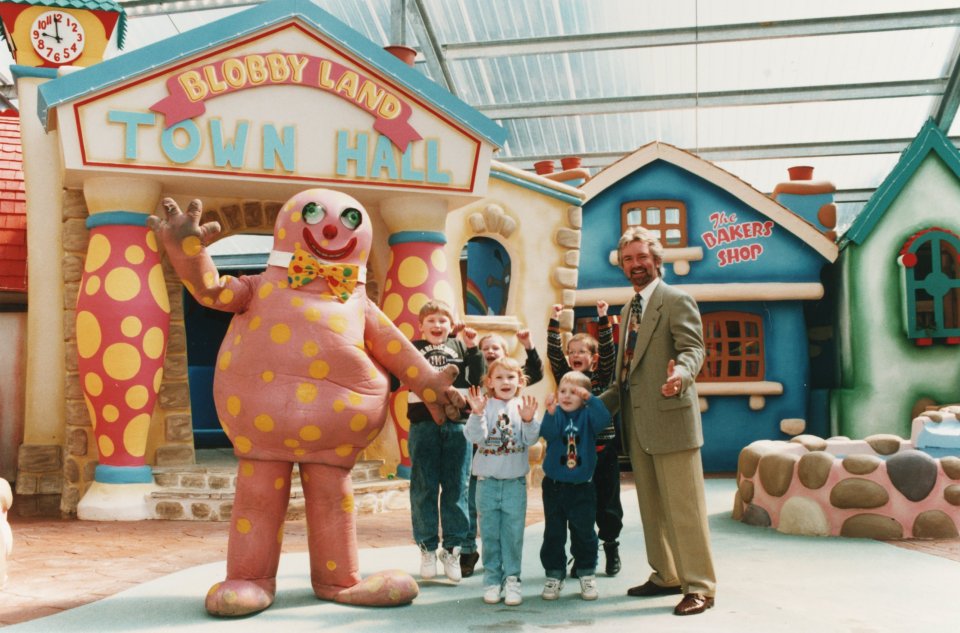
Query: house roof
[90,5]
[274,12]
[692,163]
[13,206]
[929,139]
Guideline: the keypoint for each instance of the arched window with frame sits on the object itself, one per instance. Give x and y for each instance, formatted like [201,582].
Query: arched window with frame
[930,281]
[485,276]
[666,219]
[734,347]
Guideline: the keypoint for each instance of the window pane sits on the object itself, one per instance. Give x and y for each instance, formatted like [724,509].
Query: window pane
[672,215]
[753,369]
[656,233]
[751,329]
[733,329]
[951,308]
[674,237]
[634,217]
[653,216]
[923,303]
[733,368]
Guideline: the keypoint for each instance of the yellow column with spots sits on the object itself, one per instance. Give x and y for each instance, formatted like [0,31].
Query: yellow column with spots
[123,319]
[418,273]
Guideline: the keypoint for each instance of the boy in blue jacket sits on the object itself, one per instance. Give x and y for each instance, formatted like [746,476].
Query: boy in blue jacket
[570,426]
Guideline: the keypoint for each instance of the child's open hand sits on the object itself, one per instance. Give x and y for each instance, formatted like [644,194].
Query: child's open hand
[477,400]
[602,307]
[557,309]
[524,337]
[551,402]
[528,408]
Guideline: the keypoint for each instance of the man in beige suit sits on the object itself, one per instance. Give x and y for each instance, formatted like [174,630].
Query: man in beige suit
[660,353]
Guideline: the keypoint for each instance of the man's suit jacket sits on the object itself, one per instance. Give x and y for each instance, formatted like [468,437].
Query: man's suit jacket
[670,329]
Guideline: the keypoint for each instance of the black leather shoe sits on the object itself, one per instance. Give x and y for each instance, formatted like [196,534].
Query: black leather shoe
[651,588]
[692,604]
[612,551]
[467,563]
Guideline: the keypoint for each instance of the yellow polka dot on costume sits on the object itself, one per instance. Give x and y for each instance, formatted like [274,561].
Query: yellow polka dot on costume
[373,373]
[98,251]
[135,435]
[93,285]
[429,395]
[280,534]
[242,444]
[281,233]
[254,323]
[267,376]
[407,330]
[136,397]
[111,413]
[131,326]
[291,443]
[153,342]
[244,526]
[189,286]
[331,565]
[343,450]
[394,346]
[237,339]
[443,291]
[338,324]
[412,372]
[296,302]
[354,398]
[246,469]
[305,477]
[358,422]
[299,452]
[306,392]
[157,380]
[339,405]
[223,363]
[280,333]
[209,280]
[347,503]
[151,241]
[312,314]
[319,369]
[439,260]
[416,301]
[263,422]
[310,433]
[279,483]
[207,301]
[295,217]
[158,288]
[134,254]
[105,444]
[387,286]
[225,296]
[265,290]
[310,348]
[191,245]
[121,361]
[393,306]
[93,384]
[88,334]
[412,272]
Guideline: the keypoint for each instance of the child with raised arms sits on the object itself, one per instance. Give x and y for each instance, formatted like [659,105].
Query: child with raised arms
[503,426]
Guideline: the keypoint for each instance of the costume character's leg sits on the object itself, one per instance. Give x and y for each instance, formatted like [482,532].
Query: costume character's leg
[256,532]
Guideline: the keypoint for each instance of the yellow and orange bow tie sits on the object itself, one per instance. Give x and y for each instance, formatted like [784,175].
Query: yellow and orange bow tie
[304,268]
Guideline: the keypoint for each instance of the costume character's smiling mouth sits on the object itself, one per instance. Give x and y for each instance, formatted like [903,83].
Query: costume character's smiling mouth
[322,253]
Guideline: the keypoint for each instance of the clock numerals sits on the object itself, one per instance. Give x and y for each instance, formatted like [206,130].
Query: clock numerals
[57,37]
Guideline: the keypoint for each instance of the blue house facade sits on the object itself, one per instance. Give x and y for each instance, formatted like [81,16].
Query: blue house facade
[751,264]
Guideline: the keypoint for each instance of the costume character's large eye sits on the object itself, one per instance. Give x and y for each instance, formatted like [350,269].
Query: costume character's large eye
[313,212]
[351,218]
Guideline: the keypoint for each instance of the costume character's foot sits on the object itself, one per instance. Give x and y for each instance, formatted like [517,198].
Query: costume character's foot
[232,598]
[391,588]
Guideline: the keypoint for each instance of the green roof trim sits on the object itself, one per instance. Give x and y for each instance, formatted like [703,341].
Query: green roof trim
[929,139]
[89,5]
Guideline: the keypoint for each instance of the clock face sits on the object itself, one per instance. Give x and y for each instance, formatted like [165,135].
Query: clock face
[57,37]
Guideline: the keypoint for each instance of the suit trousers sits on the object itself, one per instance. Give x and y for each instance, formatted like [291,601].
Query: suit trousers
[673,511]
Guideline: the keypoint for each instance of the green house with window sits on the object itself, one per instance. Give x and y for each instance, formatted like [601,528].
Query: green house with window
[898,303]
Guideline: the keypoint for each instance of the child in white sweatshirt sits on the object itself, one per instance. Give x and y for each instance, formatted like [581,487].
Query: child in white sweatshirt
[503,427]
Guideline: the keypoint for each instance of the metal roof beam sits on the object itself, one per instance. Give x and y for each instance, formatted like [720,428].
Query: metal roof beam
[710,34]
[137,8]
[732,98]
[950,101]
[422,27]
[756,152]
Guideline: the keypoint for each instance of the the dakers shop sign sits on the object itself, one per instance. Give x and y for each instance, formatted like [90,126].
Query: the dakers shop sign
[281,105]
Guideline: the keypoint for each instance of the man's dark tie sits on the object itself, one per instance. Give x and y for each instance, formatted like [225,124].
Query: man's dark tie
[636,313]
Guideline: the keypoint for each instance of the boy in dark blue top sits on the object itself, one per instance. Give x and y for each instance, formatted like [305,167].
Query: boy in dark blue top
[570,426]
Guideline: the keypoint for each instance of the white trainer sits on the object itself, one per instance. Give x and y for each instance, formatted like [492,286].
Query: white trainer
[551,589]
[513,592]
[428,564]
[451,563]
[588,588]
[491,595]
